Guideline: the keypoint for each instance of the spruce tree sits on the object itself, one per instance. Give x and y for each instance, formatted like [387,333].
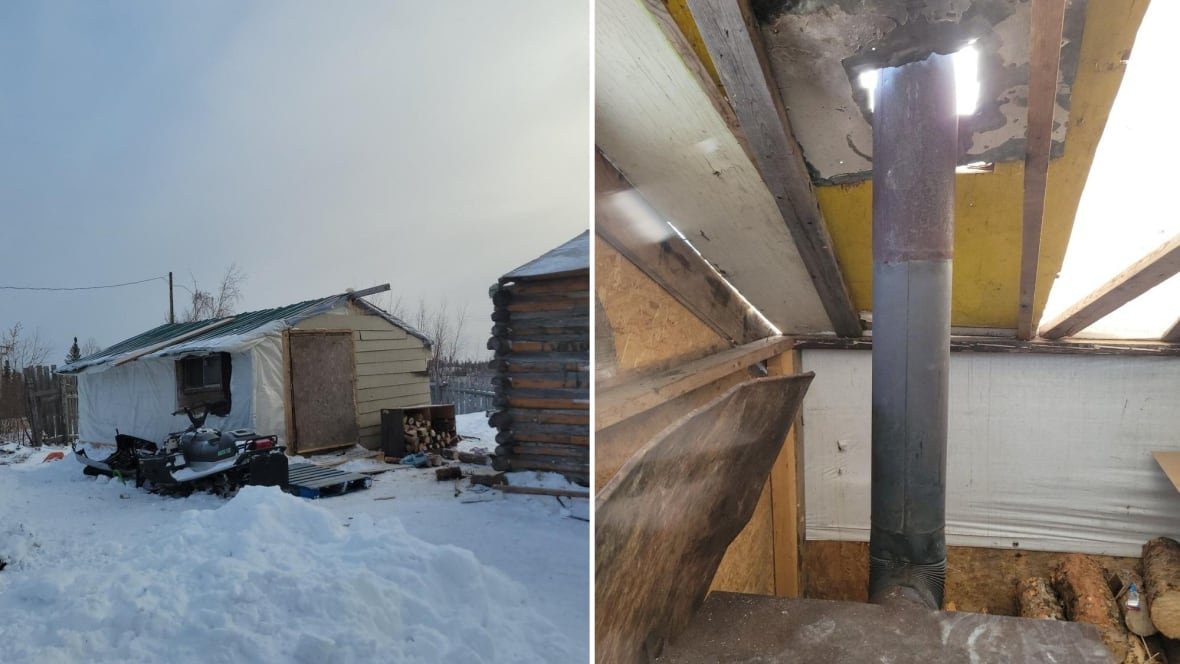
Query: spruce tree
[75,353]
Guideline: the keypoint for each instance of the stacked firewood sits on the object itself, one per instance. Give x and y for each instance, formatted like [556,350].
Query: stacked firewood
[1138,616]
[422,436]
[541,338]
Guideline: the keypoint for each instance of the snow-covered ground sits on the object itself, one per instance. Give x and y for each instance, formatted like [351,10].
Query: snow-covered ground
[405,571]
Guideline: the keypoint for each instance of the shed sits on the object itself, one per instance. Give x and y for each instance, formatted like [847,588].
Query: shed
[316,373]
[541,338]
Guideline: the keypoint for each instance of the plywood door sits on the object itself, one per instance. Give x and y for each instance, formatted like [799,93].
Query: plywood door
[323,380]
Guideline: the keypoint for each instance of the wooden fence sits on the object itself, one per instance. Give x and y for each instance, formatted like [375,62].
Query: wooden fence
[38,406]
[470,394]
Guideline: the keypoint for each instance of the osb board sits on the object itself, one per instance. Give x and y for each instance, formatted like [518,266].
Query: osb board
[764,559]
[651,331]
[748,565]
[977,579]
[323,386]
[665,520]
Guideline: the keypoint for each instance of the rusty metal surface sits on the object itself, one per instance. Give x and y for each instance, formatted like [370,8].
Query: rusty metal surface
[736,628]
[914,168]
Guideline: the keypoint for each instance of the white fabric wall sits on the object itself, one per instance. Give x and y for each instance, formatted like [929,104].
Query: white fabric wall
[138,399]
[1051,452]
[269,389]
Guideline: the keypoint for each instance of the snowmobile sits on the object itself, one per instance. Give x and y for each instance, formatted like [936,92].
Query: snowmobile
[197,458]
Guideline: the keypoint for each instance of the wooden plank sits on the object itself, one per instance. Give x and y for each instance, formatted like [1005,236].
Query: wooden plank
[371,403]
[389,380]
[1147,273]
[658,125]
[732,36]
[288,396]
[375,357]
[630,399]
[786,496]
[416,381]
[370,345]
[997,345]
[663,523]
[1043,63]
[624,219]
[401,366]
[542,491]
[374,335]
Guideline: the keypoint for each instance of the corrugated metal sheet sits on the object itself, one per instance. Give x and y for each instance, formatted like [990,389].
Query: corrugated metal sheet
[242,324]
[571,257]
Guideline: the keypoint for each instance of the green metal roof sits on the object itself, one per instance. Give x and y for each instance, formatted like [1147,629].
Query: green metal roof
[242,324]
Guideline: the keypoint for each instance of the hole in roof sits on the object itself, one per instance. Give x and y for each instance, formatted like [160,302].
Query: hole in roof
[966,62]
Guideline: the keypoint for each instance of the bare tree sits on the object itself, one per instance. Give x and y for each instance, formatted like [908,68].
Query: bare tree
[204,305]
[90,347]
[22,349]
[441,324]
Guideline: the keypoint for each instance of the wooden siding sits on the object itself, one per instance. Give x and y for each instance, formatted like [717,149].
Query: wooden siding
[390,367]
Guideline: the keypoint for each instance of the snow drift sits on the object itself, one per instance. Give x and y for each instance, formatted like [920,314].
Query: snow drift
[269,578]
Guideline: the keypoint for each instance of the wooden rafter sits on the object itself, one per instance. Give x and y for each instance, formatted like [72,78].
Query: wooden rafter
[1044,63]
[624,219]
[629,399]
[1147,273]
[735,48]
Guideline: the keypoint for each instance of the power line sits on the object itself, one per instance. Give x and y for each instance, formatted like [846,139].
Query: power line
[82,288]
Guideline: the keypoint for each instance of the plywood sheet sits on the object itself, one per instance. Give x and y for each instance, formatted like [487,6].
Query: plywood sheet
[665,520]
[651,330]
[323,379]
[748,564]
[1169,463]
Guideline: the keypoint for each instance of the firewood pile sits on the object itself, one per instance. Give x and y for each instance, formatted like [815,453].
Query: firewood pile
[1137,615]
[422,436]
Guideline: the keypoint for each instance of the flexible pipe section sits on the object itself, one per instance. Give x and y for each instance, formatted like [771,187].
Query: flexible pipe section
[915,140]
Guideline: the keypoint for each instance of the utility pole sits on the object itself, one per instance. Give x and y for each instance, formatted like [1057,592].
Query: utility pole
[171,305]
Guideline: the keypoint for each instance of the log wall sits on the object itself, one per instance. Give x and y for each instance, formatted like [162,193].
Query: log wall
[541,340]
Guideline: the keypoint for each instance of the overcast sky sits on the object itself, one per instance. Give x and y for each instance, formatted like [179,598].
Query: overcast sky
[319,145]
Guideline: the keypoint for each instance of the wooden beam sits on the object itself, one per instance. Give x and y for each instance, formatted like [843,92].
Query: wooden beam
[630,399]
[786,496]
[732,37]
[352,295]
[1147,273]
[629,224]
[999,345]
[1044,62]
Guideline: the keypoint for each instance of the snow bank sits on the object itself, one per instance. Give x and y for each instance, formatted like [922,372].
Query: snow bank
[270,578]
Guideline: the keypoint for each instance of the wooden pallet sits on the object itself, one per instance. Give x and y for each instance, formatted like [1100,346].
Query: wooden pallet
[308,480]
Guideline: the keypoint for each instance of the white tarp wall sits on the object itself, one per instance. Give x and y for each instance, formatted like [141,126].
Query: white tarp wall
[1048,452]
[270,415]
[138,398]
